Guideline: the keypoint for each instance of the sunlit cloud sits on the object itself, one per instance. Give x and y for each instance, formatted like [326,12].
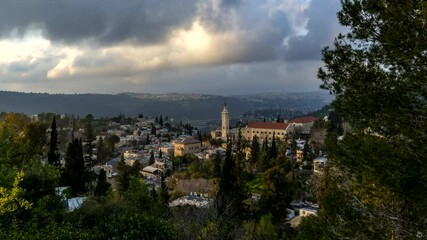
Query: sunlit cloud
[170,43]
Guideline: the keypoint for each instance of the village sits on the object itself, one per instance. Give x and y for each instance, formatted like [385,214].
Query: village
[179,157]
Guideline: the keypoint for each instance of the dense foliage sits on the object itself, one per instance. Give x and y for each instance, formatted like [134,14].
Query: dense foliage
[376,182]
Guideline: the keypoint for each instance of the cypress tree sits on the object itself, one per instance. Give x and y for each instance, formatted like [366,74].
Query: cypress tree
[102,185]
[273,149]
[161,120]
[53,154]
[74,172]
[255,152]
[229,201]
[217,165]
[151,158]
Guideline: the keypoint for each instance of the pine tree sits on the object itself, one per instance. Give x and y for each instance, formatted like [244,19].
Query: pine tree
[53,154]
[377,72]
[276,194]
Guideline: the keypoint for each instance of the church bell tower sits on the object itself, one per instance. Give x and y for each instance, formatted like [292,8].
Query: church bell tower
[225,122]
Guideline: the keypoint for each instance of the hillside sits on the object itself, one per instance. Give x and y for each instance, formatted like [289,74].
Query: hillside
[175,105]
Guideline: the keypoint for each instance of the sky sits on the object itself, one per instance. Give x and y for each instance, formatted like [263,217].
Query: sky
[219,47]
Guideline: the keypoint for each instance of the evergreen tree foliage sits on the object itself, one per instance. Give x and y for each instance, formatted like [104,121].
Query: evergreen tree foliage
[74,172]
[123,175]
[217,165]
[377,172]
[111,141]
[276,193]
[102,152]
[102,185]
[153,129]
[151,158]
[161,120]
[255,153]
[230,196]
[305,151]
[272,152]
[163,193]
[53,154]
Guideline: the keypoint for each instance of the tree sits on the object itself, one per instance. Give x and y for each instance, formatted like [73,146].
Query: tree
[276,193]
[74,172]
[53,154]
[217,165]
[153,130]
[123,175]
[102,185]
[11,199]
[377,72]
[255,152]
[111,141]
[151,158]
[264,229]
[161,120]
[306,150]
[102,152]
[88,156]
[229,198]
[272,152]
[163,191]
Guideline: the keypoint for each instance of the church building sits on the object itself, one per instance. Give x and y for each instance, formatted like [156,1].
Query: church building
[224,131]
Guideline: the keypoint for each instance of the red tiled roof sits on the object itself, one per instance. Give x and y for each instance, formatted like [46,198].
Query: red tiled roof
[303,119]
[268,125]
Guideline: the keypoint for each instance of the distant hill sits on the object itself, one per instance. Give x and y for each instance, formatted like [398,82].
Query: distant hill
[174,105]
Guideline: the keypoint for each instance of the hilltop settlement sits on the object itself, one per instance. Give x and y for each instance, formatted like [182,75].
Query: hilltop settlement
[258,169]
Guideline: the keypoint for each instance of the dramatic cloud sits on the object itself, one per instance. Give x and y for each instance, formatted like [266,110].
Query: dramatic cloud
[213,46]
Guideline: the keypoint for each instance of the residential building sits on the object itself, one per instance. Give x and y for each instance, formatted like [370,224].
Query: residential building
[186,145]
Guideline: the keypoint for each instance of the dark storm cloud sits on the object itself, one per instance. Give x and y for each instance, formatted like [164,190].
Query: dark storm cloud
[322,27]
[105,21]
